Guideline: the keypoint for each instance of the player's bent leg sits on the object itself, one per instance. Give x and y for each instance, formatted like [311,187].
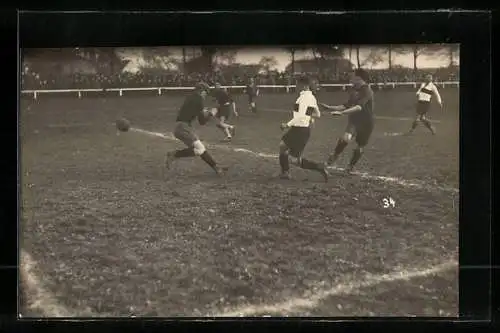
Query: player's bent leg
[414,124]
[284,160]
[339,148]
[362,138]
[226,128]
[185,134]
[200,150]
[356,155]
[307,164]
[427,124]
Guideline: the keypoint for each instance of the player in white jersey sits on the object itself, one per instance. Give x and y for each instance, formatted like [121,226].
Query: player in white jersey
[298,132]
[424,97]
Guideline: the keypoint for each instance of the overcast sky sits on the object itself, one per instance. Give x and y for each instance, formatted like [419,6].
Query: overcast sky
[253,55]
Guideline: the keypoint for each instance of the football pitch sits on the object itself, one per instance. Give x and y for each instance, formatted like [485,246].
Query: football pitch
[105,230]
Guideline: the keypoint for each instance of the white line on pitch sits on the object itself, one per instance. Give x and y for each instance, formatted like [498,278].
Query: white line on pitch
[347,288]
[366,175]
[39,299]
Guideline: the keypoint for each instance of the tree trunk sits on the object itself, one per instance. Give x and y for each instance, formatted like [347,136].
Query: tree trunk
[415,56]
[451,55]
[390,57]
[350,53]
[357,57]
[293,62]
[184,60]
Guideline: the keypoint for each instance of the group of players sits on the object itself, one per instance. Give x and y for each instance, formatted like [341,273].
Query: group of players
[359,109]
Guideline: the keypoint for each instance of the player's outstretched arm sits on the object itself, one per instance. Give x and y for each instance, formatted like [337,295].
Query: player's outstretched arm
[316,113]
[420,89]
[333,107]
[355,108]
[438,96]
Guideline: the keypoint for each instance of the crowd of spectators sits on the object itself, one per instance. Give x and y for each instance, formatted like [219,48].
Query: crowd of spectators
[32,80]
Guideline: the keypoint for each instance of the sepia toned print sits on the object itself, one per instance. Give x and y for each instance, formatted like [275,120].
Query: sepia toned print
[234,181]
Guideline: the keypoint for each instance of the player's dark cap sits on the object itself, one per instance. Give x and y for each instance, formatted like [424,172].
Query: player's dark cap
[200,86]
[360,72]
[304,80]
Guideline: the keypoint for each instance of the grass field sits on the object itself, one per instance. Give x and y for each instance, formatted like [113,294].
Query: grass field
[106,231]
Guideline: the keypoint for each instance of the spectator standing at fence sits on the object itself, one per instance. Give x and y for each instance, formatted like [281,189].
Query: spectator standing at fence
[424,97]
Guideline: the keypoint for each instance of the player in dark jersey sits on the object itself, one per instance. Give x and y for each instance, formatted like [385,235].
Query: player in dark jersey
[225,106]
[359,109]
[298,132]
[252,91]
[193,108]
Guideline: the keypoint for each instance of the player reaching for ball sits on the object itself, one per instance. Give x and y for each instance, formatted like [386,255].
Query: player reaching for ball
[193,108]
[359,109]
[225,106]
[424,96]
[299,131]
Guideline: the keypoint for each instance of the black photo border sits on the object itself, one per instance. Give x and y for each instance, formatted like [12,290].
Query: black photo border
[470,28]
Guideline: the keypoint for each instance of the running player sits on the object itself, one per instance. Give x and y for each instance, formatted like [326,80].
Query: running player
[193,108]
[252,91]
[298,132]
[424,96]
[225,106]
[359,109]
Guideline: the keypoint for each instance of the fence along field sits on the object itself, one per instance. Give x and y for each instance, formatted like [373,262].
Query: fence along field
[109,232]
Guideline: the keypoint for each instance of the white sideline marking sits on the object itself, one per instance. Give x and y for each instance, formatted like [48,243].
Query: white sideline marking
[393,133]
[365,175]
[38,298]
[70,125]
[376,117]
[311,302]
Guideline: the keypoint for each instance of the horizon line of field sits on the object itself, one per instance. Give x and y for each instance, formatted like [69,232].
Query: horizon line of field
[388,179]
[46,303]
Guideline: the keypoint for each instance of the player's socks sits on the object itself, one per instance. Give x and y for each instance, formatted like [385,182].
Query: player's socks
[428,124]
[310,165]
[341,144]
[284,163]
[207,158]
[356,155]
[413,126]
[187,152]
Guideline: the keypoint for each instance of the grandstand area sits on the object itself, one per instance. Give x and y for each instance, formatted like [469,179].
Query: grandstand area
[107,231]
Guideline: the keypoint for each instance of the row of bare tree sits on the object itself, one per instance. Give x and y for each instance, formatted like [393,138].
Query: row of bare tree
[206,58]
[377,54]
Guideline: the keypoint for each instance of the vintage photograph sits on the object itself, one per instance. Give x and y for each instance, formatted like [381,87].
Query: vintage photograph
[226,181]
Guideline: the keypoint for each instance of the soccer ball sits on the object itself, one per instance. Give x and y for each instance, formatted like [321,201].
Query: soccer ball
[123,125]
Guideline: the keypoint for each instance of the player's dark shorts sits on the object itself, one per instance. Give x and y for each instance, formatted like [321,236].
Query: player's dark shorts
[251,98]
[423,107]
[360,130]
[185,133]
[296,139]
[224,111]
